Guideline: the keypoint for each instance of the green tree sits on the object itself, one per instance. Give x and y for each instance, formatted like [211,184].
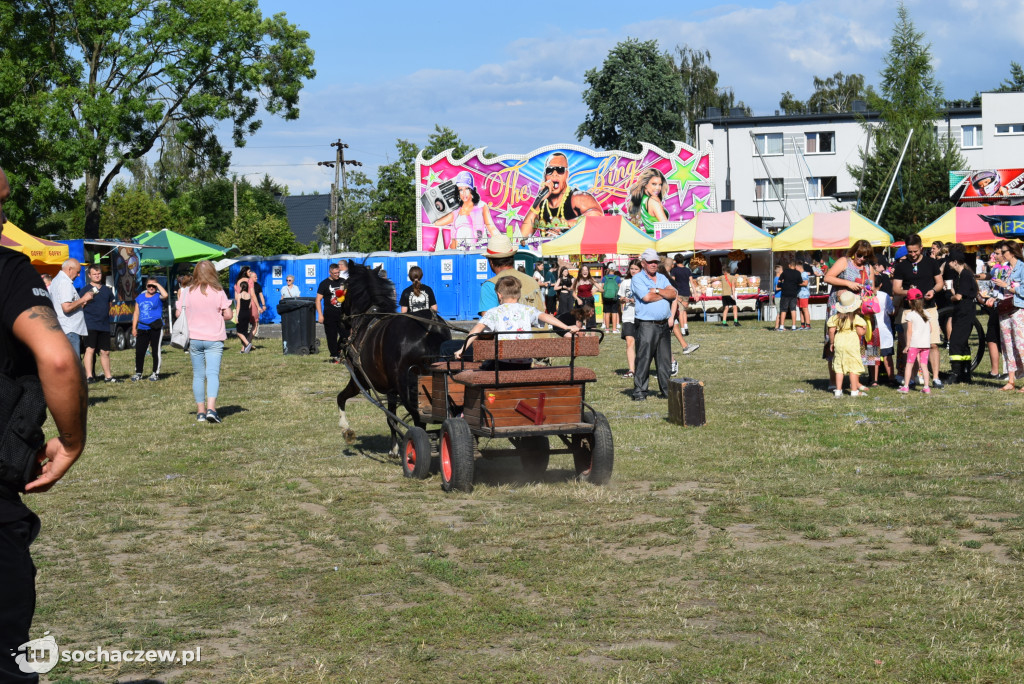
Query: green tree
[833,94]
[1015,83]
[130,210]
[394,197]
[636,96]
[910,98]
[789,104]
[261,234]
[700,89]
[444,138]
[95,83]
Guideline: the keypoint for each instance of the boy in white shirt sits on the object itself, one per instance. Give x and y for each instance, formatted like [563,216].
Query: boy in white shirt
[511,316]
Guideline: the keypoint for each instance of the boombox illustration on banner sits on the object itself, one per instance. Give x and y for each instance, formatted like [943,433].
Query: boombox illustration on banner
[536,197]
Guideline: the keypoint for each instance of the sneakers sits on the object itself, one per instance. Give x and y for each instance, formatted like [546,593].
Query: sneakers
[248,348]
[903,389]
[926,389]
[805,327]
[627,374]
[736,323]
[837,393]
[200,417]
[691,348]
[780,330]
[211,416]
[136,377]
[110,379]
[937,384]
[858,393]
[675,367]
[639,398]
[686,332]
[154,377]
[794,328]
[91,379]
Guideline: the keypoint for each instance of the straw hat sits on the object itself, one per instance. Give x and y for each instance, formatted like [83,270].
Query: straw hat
[848,302]
[499,247]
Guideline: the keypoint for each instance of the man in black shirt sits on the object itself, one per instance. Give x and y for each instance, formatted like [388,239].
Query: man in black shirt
[680,276]
[790,282]
[328,309]
[920,271]
[32,343]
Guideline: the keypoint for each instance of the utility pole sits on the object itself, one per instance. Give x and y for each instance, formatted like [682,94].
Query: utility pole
[339,167]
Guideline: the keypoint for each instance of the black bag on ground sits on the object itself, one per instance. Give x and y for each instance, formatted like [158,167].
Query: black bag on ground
[23,412]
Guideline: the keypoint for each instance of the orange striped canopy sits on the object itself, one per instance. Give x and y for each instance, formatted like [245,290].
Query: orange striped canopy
[715,230]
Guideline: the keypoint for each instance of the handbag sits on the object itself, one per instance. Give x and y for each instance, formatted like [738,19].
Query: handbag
[1005,307]
[870,305]
[179,331]
[23,411]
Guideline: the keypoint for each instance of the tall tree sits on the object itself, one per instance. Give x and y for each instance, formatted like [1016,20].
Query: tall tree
[393,198]
[700,87]
[444,138]
[101,80]
[635,96]
[1015,83]
[833,94]
[910,98]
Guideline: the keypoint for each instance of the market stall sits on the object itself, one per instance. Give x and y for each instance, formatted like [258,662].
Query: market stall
[599,235]
[836,230]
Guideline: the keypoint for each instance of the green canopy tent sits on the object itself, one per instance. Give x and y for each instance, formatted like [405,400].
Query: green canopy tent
[177,249]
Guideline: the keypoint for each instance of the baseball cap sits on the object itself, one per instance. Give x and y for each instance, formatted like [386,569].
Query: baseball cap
[650,254]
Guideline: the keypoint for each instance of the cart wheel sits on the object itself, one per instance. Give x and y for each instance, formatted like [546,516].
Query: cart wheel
[120,340]
[456,456]
[594,454]
[535,452]
[416,454]
[303,351]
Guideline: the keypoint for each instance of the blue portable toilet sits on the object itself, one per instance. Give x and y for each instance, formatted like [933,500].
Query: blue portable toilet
[76,250]
[308,270]
[271,274]
[474,271]
[444,278]
[407,260]
[386,260]
[264,269]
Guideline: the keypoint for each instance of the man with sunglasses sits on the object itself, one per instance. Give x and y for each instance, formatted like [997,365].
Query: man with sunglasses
[921,271]
[558,205]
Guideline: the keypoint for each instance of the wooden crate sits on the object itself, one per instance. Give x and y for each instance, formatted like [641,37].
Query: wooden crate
[518,406]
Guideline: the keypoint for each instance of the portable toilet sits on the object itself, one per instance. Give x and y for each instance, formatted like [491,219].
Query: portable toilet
[405,261]
[385,260]
[308,270]
[475,270]
[272,273]
[445,280]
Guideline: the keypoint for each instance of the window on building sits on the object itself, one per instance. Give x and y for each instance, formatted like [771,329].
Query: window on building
[764,191]
[1010,129]
[821,187]
[768,143]
[822,142]
[971,135]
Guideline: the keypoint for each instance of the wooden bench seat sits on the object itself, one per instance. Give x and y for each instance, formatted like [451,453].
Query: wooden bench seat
[536,348]
[533,376]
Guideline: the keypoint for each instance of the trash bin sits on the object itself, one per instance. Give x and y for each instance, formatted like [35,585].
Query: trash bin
[298,325]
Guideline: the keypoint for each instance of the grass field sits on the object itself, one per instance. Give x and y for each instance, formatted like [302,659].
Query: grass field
[795,537]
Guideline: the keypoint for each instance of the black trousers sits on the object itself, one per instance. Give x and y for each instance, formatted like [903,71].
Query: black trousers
[652,340]
[150,339]
[333,330]
[17,593]
[963,323]
[551,304]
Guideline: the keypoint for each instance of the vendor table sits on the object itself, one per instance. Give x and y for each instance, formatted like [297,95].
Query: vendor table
[703,304]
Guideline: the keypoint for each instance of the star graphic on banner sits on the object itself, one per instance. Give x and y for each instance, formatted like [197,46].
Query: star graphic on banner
[510,214]
[683,173]
[432,178]
[699,204]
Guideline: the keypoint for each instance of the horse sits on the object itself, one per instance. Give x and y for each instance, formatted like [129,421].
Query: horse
[387,351]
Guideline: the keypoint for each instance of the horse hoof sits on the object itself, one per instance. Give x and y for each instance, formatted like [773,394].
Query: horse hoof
[350,437]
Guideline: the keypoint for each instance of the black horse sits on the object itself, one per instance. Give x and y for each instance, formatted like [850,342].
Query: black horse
[387,352]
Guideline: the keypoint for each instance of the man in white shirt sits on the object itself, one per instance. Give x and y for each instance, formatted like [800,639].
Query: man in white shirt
[68,304]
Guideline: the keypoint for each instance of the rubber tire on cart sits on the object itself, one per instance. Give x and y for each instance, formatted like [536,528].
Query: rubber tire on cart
[416,454]
[456,456]
[594,453]
[535,453]
[121,336]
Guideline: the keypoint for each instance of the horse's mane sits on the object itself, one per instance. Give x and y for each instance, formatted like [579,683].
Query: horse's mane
[366,289]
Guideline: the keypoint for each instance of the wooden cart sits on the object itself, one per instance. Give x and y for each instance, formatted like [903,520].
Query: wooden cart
[527,407]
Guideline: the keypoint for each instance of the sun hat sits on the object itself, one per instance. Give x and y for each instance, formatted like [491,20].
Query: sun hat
[650,255]
[465,180]
[848,302]
[913,293]
[499,247]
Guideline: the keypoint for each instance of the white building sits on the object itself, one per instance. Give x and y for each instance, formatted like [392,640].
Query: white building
[784,167]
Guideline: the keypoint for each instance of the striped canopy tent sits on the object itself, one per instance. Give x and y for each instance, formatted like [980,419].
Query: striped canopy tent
[599,235]
[965,225]
[715,230]
[836,230]
[45,255]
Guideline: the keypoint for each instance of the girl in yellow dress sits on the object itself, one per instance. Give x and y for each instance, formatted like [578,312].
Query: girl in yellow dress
[845,328]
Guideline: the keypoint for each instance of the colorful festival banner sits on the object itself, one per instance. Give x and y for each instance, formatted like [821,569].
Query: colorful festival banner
[463,201]
[987,186]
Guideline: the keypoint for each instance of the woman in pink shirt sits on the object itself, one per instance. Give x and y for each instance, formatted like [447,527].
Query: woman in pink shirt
[206,307]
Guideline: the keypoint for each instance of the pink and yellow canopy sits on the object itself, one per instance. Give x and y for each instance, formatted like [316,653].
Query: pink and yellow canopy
[39,251]
[712,230]
[964,225]
[599,235]
[836,230]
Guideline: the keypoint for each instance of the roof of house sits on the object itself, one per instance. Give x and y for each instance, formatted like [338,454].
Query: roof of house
[306,213]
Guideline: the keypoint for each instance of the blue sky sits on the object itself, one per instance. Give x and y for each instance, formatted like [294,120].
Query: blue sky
[509,75]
